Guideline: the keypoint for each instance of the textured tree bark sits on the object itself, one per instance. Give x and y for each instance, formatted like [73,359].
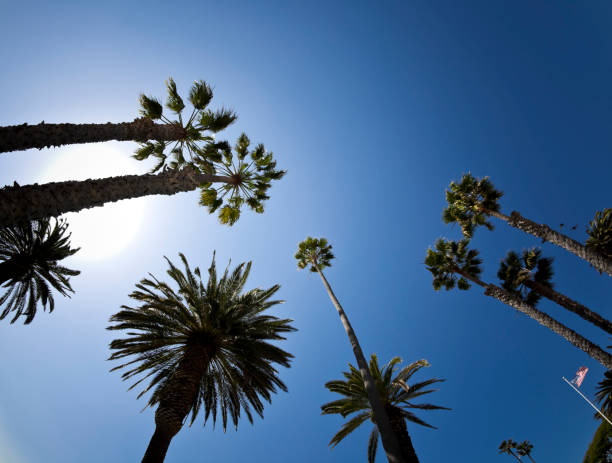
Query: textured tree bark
[544,319]
[516,220]
[176,402]
[591,349]
[570,305]
[398,424]
[387,436]
[29,202]
[25,136]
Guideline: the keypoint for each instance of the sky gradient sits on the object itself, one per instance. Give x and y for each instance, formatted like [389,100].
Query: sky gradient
[373,109]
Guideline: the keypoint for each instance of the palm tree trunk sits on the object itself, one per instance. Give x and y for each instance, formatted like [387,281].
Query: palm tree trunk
[177,398]
[516,220]
[570,305]
[387,436]
[30,202]
[591,349]
[25,136]
[514,455]
[398,424]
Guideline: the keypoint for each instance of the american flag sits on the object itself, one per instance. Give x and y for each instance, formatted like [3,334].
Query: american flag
[579,378]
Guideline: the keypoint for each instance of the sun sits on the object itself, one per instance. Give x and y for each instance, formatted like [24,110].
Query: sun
[100,232]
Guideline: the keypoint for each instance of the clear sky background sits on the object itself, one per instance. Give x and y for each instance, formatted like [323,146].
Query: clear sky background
[373,108]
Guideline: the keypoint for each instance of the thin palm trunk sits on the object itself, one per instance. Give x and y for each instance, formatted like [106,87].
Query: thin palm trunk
[389,439]
[177,398]
[516,220]
[530,459]
[30,202]
[25,136]
[590,348]
[398,424]
[570,305]
[514,455]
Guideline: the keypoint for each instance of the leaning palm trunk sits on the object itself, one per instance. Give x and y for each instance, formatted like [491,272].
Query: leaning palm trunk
[516,220]
[177,398]
[398,424]
[29,202]
[388,437]
[591,349]
[25,136]
[571,305]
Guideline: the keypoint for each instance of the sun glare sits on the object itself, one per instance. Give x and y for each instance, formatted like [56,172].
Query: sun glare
[100,232]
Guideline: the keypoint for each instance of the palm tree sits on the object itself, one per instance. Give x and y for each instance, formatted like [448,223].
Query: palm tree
[472,200]
[186,135]
[204,346]
[244,181]
[29,256]
[604,394]
[533,272]
[524,449]
[317,254]
[396,396]
[507,446]
[450,259]
[600,448]
[600,233]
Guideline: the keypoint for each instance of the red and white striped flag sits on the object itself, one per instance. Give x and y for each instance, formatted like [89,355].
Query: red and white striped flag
[579,378]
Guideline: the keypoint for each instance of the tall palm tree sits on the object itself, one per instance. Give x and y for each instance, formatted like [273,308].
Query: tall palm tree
[316,254]
[507,446]
[204,346]
[29,256]
[524,449]
[452,264]
[600,448]
[473,200]
[192,134]
[243,181]
[396,395]
[600,233]
[528,277]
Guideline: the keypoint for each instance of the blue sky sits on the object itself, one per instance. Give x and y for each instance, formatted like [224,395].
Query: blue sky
[373,109]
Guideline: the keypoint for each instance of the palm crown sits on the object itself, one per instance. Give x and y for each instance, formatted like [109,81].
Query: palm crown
[315,252]
[515,269]
[468,202]
[199,128]
[524,448]
[29,255]
[394,393]
[604,394]
[249,179]
[446,258]
[228,327]
[600,233]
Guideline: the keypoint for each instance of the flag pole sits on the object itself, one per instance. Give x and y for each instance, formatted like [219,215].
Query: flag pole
[590,403]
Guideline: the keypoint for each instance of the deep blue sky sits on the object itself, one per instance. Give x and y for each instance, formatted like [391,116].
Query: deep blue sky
[373,109]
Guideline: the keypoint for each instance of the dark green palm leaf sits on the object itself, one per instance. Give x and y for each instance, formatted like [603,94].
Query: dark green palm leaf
[394,392]
[220,316]
[29,255]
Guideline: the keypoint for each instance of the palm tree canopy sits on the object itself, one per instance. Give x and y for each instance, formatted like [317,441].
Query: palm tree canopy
[466,201]
[507,446]
[515,269]
[250,176]
[229,324]
[604,394]
[524,448]
[314,252]
[449,256]
[250,173]
[394,392]
[199,127]
[29,256]
[600,233]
